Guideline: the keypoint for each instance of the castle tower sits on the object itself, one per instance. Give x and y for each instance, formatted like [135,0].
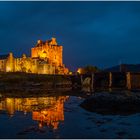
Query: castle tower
[10,63]
[49,51]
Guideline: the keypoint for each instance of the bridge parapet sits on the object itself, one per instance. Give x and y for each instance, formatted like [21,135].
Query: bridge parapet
[106,80]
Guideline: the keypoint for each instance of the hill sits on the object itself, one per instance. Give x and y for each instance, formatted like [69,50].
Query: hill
[124,68]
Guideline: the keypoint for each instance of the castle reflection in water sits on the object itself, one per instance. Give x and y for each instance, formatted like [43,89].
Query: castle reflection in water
[48,111]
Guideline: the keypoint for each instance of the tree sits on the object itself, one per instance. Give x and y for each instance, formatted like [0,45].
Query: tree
[91,69]
[88,69]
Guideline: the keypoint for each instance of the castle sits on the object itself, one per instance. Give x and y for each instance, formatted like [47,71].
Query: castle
[46,58]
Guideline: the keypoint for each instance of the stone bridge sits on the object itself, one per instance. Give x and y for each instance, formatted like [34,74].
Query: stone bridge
[107,80]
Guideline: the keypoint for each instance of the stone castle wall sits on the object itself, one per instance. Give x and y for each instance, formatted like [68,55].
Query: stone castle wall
[46,58]
[49,51]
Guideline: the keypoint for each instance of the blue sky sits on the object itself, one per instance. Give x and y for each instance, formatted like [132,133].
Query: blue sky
[91,33]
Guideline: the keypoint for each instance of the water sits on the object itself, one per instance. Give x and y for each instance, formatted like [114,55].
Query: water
[61,117]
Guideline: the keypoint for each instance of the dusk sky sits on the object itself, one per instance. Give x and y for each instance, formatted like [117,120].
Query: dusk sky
[91,33]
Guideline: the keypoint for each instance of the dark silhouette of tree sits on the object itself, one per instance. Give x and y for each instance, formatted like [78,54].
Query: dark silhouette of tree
[91,69]
[88,69]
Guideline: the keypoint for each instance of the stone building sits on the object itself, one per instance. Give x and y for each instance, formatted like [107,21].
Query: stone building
[46,58]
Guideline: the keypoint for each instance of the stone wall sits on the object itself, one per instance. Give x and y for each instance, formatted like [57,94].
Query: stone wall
[133,80]
[50,52]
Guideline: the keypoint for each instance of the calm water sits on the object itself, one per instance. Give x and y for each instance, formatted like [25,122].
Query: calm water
[61,117]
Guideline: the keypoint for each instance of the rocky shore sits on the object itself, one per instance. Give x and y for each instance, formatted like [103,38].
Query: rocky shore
[124,102]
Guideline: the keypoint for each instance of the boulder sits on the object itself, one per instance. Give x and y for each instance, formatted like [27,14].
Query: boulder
[112,103]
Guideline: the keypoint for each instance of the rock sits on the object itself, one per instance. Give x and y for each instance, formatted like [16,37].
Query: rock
[109,103]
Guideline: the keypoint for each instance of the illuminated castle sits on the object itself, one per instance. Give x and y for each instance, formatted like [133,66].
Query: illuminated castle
[46,58]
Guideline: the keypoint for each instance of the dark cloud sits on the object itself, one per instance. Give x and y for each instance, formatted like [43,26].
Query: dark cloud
[97,33]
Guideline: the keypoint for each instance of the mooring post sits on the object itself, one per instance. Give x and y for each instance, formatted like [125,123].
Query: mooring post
[128,80]
[110,79]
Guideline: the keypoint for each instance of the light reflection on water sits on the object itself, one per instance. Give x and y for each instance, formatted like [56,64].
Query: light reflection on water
[48,111]
[61,117]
